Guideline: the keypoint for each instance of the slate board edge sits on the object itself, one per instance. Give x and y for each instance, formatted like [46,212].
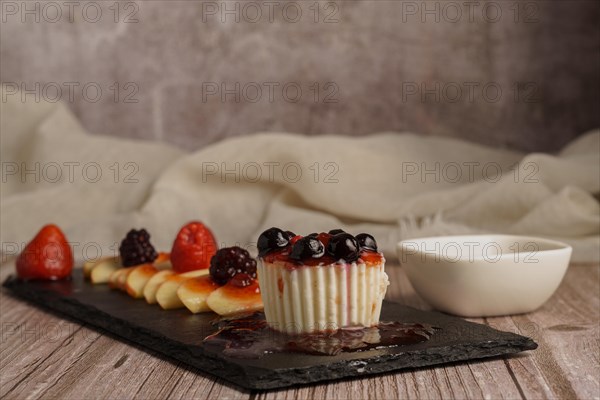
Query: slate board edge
[254,378]
[122,328]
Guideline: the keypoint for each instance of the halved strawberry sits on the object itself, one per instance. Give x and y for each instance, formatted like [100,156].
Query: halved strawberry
[48,256]
[193,248]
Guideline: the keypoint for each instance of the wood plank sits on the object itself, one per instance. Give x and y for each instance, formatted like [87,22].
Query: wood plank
[478,379]
[567,329]
[88,364]
[29,339]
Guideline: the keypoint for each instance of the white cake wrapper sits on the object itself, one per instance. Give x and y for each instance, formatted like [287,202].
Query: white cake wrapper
[321,298]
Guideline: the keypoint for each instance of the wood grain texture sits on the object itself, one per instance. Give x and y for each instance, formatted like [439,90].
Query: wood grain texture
[43,356]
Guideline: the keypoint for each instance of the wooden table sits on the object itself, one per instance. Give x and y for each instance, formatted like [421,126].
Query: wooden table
[43,356]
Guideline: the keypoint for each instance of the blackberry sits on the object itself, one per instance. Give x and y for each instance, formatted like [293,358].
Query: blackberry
[307,247]
[272,239]
[136,248]
[366,241]
[336,231]
[343,246]
[230,261]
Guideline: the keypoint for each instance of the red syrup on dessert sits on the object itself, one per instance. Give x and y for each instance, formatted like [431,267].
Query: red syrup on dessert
[242,291]
[368,257]
[249,336]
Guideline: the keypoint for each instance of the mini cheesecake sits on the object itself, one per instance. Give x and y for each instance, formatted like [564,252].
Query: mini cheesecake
[321,282]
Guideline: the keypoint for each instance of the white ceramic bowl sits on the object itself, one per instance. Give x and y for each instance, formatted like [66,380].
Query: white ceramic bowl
[484,275]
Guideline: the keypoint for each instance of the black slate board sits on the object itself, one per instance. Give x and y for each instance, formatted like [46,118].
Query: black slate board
[178,334]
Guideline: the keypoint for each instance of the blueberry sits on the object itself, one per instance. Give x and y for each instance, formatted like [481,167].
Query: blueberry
[366,241]
[343,246]
[314,234]
[271,239]
[336,231]
[307,247]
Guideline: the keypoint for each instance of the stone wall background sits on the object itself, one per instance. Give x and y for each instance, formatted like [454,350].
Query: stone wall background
[432,67]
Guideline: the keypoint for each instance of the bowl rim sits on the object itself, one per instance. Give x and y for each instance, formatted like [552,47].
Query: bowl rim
[558,245]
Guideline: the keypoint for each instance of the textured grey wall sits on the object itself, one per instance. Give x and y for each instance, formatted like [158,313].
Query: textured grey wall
[507,73]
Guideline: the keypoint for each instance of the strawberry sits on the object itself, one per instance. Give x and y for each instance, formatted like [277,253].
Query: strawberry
[193,248]
[48,256]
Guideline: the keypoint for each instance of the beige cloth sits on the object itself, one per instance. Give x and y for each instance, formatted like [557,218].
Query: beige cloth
[395,186]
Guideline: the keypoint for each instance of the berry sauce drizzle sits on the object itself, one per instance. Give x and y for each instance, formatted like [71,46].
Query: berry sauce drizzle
[283,256]
[249,336]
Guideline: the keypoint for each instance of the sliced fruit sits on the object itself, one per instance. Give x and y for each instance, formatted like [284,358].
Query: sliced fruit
[122,278]
[88,266]
[103,270]
[163,261]
[194,274]
[112,279]
[194,292]
[166,295]
[118,278]
[154,283]
[231,299]
[138,278]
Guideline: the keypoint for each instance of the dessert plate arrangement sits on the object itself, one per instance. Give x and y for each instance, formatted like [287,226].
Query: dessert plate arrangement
[179,335]
[309,308]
